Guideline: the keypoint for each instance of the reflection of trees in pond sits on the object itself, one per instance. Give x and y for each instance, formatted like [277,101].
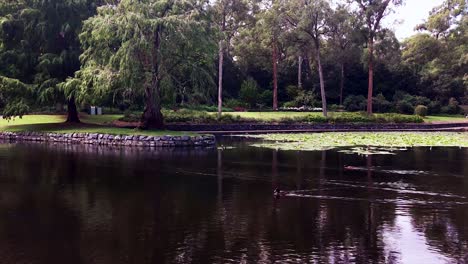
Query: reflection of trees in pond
[445,232]
[123,207]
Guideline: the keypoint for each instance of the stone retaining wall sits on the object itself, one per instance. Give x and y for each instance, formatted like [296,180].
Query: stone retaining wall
[112,140]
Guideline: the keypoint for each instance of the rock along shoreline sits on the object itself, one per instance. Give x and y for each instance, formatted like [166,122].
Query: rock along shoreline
[112,140]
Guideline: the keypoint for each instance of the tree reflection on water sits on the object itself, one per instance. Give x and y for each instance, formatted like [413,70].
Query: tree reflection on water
[85,204]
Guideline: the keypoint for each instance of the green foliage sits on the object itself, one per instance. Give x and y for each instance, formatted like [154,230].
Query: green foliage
[39,48]
[452,107]
[249,92]
[421,110]
[208,108]
[404,107]
[355,103]
[150,47]
[265,98]
[17,97]
[324,141]
[421,100]
[40,52]
[290,104]
[199,117]
[303,98]
[293,91]
[356,117]
[434,107]
[234,103]
[381,105]
[306,98]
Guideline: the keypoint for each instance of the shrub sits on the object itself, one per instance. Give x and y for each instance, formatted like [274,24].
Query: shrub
[334,107]
[239,109]
[381,105]
[452,107]
[421,100]
[316,119]
[266,98]
[208,108]
[292,91]
[306,98]
[249,92]
[130,116]
[397,118]
[355,103]
[233,103]
[226,118]
[404,107]
[402,96]
[420,110]
[359,117]
[289,104]
[434,107]
[186,115]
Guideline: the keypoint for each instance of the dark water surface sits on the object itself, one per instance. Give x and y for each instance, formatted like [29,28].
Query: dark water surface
[82,204]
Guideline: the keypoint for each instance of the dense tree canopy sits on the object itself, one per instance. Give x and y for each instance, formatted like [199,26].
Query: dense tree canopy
[148,54]
[39,48]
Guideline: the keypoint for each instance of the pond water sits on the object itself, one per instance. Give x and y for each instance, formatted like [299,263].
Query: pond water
[84,204]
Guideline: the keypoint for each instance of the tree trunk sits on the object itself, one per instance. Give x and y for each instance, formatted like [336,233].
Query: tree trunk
[299,73]
[220,78]
[342,79]
[322,84]
[275,76]
[72,111]
[152,117]
[371,76]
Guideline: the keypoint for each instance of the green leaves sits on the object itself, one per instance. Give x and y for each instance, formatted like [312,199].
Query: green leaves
[17,97]
[389,140]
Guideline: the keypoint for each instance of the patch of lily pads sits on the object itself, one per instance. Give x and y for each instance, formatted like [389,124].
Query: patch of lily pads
[364,143]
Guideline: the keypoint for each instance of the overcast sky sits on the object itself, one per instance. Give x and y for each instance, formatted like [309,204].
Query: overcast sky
[409,15]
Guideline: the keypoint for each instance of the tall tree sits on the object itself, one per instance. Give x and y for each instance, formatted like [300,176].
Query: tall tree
[131,45]
[229,16]
[344,29]
[444,17]
[39,47]
[310,19]
[373,11]
[439,59]
[271,25]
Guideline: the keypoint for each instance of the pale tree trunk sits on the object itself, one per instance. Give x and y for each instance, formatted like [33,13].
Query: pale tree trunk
[299,73]
[220,78]
[275,76]
[342,80]
[371,76]
[72,112]
[322,83]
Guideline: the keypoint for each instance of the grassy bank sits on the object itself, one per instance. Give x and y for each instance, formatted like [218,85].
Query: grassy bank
[90,124]
[102,124]
[201,117]
[277,116]
[320,141]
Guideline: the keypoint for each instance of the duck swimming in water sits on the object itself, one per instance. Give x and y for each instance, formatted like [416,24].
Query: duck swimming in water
[278,193]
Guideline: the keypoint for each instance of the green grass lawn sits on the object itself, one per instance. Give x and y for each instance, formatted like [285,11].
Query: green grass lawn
[449,119]
[91,124]
[269,116]
[99,124]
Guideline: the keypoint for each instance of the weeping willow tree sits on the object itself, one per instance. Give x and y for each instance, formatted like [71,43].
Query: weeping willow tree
[134,46]
[39,49]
